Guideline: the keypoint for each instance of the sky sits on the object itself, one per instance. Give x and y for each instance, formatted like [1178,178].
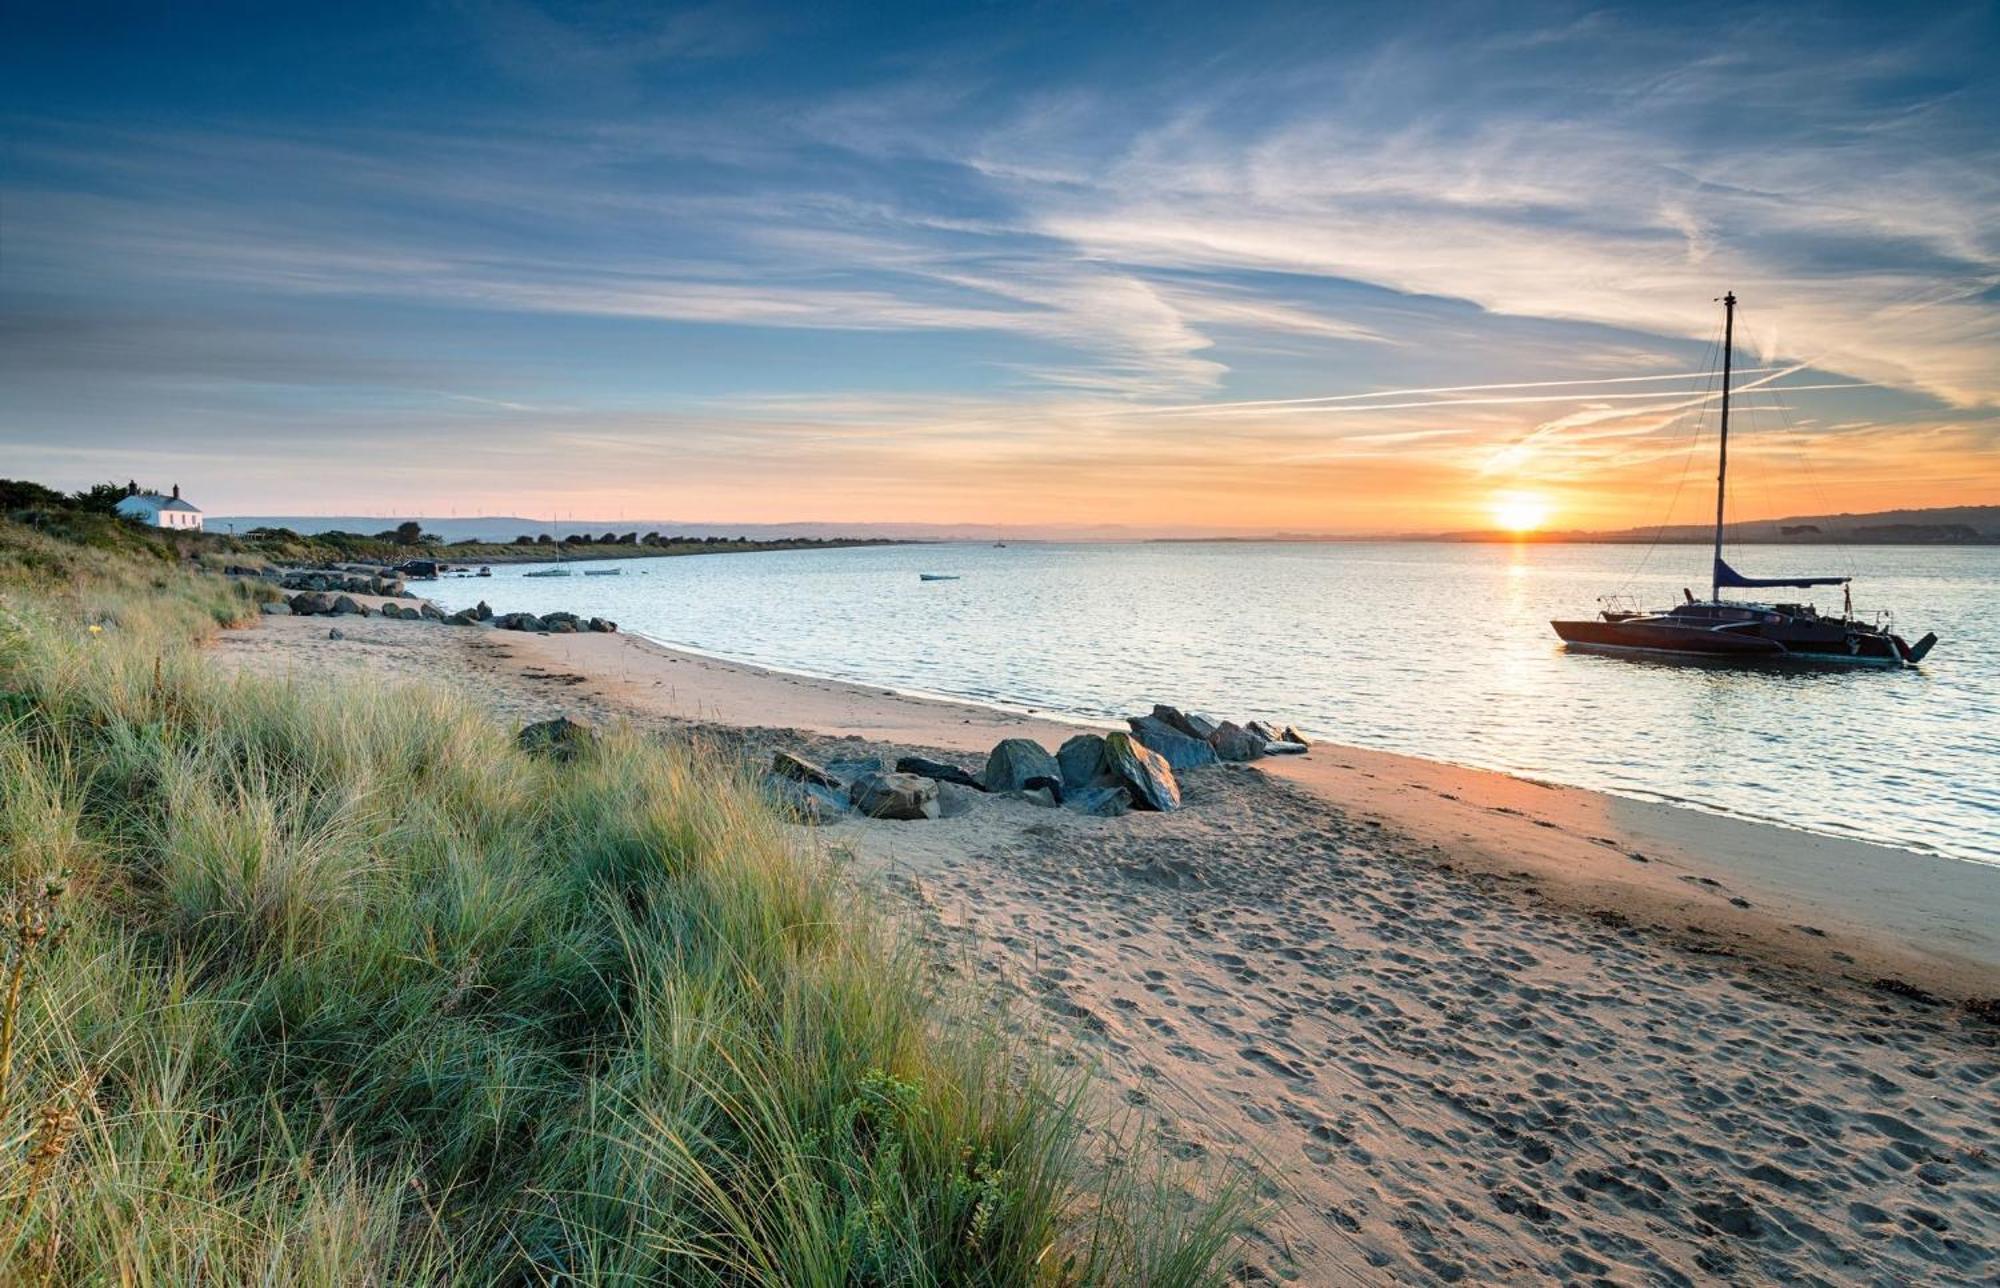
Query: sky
[1316,268]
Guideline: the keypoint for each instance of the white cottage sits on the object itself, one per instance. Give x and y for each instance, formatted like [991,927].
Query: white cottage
[156,511]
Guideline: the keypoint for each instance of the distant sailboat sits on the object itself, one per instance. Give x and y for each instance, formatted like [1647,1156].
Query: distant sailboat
[1716,629]
[937,576]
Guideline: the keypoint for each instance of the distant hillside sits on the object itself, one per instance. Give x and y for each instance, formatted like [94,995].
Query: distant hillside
[1961,525]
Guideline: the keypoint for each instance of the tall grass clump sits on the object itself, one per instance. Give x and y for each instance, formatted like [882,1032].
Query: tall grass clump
[337,985]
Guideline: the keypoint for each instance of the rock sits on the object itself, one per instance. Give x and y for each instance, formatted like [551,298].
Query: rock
[1081,760]
[1264,731]
[310,604]
[275,607]
[1147,776]
[809,802]
[463,617]
[559,627]
[1013,761]
[846,771]
[1041,796]
[785,765]
[550,619]
[483,611]
[1050,783]
[1197,727]
[900,796]
[1181,752]
[431,612]
[346,605]
[336,634]
[518,622]
[391,612]
[1283,748]
[603,626]
[941,770]
[1234,742]
[560,739]
[1102,802]
[1291,734]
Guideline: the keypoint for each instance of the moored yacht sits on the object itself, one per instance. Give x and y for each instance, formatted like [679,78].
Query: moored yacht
[1718,629]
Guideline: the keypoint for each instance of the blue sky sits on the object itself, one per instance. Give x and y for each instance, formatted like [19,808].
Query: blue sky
[995,263]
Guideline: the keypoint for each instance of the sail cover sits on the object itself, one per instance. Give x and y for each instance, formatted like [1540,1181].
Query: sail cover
[1727,576]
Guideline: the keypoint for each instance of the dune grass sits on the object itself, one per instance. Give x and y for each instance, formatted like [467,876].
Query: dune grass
[339,986]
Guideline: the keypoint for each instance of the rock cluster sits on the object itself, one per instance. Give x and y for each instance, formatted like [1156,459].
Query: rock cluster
[557,623]
[1168,730]
[381,581]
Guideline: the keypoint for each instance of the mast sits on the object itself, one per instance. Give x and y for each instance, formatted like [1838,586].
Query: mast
[1722,464]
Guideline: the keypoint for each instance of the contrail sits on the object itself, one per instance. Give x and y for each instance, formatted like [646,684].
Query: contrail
[1518,400]
[1438,389]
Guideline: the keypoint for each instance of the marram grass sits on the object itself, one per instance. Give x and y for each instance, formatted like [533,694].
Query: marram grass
[335,986]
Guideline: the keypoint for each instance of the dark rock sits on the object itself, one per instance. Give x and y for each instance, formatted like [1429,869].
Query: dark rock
[463,617]
[1144,774]
[1181,752]
[560,616]
[336,634]
[1264,731]
[1102,802]
[1041,796]
[1050,783]
[277,607]
[943,771]
[310,604]
[561,738]
[1285,748]
[785,765]
[1082,761]
[1234,742]
[518,622]
[1193,725]
[1291,734]
[430,611]
[560,627]
[808,802]
[602,625]
[483,611]
[1013,761]
[899,796]
[346,605]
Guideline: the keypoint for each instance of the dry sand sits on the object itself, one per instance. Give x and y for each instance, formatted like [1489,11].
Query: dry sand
[1455,1026]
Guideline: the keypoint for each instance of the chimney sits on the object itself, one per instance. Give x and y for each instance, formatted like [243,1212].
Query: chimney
[177,491]
[131,487]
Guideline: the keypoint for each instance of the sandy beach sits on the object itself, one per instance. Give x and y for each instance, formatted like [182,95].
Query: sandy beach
[1454,1025]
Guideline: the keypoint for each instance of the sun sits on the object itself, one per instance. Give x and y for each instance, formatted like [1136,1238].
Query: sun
[1520,512]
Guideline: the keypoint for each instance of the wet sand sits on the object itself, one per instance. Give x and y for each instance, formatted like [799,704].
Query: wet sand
[1456,1026]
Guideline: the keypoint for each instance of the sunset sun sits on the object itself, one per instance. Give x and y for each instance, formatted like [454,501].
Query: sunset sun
[1519,512]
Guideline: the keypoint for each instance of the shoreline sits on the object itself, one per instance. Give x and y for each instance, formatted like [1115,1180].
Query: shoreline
[1438,1017]
[1838,907]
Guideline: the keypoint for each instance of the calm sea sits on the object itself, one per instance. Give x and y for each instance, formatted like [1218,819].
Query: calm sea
[1441,651]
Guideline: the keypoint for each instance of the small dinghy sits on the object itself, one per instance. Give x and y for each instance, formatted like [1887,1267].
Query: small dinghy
[548,572]
[937,576]
[602,572]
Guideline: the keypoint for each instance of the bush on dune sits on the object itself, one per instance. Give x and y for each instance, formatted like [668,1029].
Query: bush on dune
[337,985]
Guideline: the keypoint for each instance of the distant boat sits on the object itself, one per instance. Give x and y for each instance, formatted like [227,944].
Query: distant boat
[1716,629]
[937,576]
[602,572]
[548,572]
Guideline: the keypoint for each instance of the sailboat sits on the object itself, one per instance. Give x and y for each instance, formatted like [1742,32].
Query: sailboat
[1718,629]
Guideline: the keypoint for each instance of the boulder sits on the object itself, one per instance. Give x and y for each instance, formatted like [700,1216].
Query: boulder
[1013,761]
[602,625]
[1195,726]
[1264,731]
[391,611]
[560,616]
[463,617]
[1291,734]
[1081,760]
[846,771]
[559,739]
[1148,777]
[336,634]
[1181,752]
[560,627]
[518,622]
[785,765]
[346,605]
[1041,796]
[275,607]
[808,802]
[1234,742]
[1102,802]
[943,771]
[899,796]
[483,611]
[431,612]
[310,604]
[1283,748]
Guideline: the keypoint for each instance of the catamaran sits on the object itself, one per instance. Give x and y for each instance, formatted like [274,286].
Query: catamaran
[1718,629]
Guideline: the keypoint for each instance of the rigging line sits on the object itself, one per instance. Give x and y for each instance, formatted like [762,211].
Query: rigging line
[1692,416]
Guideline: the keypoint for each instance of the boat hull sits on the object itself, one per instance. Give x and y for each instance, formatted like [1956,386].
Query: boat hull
[1659,640]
